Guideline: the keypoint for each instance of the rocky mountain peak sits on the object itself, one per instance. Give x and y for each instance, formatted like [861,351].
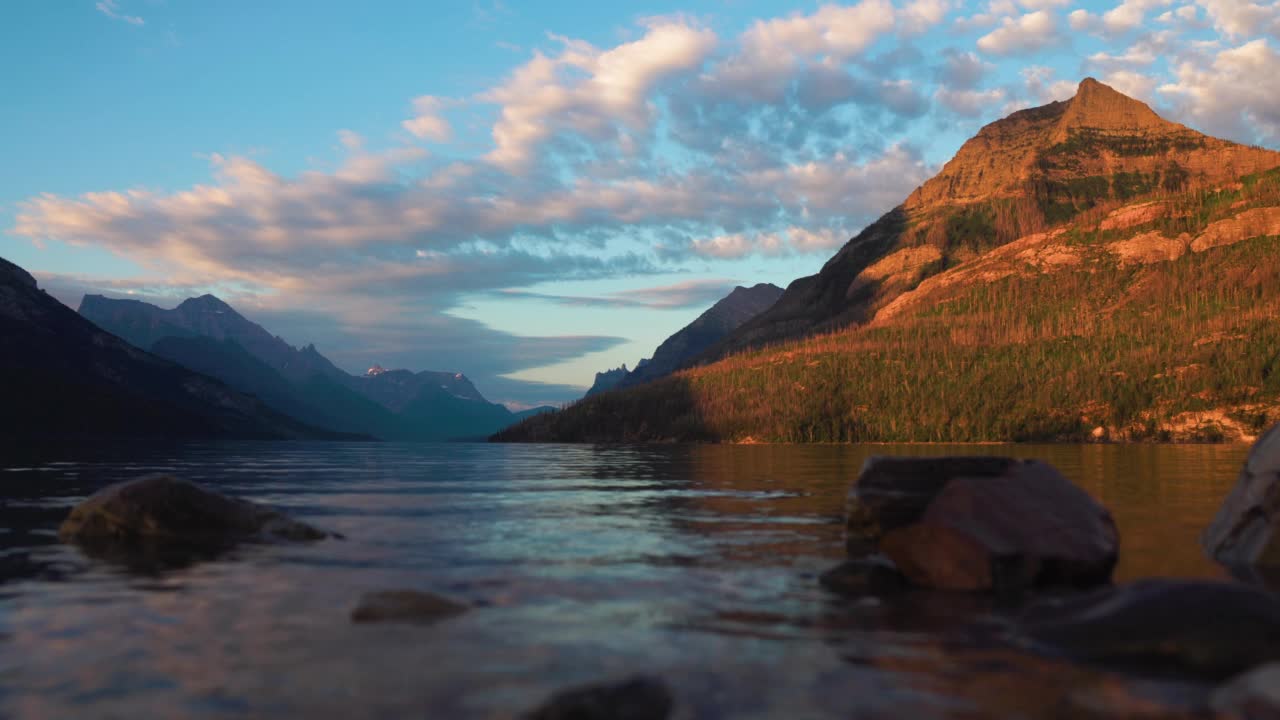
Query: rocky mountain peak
[206,303]
[1101,107]
[1097,134]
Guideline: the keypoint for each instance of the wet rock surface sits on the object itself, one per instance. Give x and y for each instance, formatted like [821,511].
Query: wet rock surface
[167,512]
[980,524]
[894,492]
[405,606]
[1252,696]
[639,698]
[1210,629]
[1244,531]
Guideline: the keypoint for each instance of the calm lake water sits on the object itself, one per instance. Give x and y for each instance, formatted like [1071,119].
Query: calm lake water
[695,563]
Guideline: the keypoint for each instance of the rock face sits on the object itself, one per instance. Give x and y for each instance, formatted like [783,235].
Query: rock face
[608,380]
[980,523]
[1216,629]
[409,606]
[162,510]
[1252,696]
[1244,531]
[640,698]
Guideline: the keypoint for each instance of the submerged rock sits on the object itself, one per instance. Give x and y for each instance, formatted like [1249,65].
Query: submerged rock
[1214,629]
[981,524]
[857,578]
[1252,696]
[1244,531]
[410,606]
[640,698]
[161,510]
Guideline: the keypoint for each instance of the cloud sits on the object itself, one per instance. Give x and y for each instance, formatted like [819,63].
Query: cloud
[1242,18]
[111,8]
[427,122]
[698,293]
[961,70]
[1025,34]
[971,103]
[1222,93]
[1127,16]
[601,95]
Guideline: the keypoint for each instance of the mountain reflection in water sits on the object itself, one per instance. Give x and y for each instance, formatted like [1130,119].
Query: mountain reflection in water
[695,563]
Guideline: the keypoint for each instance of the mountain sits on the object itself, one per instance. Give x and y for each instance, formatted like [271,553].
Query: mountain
[691,341]
[608,380]
[1081,270]
[711,327]
[143,325]
[62,378]
[208,335]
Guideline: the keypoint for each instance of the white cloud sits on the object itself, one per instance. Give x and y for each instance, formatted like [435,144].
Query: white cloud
[1128,15]
[1223,94]
[111,8]
[594,93]
[971,103]
[427,122]
[1242,18]
[1028,33]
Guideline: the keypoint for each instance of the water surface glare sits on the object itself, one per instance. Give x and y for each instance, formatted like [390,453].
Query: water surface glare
[696,563]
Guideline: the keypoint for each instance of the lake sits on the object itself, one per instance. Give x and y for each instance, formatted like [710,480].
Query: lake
[695,563]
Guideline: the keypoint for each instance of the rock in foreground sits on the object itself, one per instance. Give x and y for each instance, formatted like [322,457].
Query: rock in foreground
[1244,531]
[410,606]
[973,523]
[1214,629]
[640,698]
[161,510]
[1252,696]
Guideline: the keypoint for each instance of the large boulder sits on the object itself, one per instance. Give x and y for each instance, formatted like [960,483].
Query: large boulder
[639,698]
[1244,531]
[1214,629]
[981,524]
[893,492]
[164,511]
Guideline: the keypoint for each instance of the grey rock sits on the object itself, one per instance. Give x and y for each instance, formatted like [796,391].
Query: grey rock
[1212,629]
[409,606]
[1244,531]
[161,510]
[639,698]
[1252,696]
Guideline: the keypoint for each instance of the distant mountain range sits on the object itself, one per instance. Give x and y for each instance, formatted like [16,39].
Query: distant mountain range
[62,379]
[207,335]
[1080,270]
[687,345]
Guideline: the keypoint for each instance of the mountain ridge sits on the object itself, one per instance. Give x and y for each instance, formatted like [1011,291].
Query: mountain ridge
[389,404]
[63,378]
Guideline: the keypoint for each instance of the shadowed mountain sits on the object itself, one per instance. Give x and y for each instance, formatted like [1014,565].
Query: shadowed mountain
[208,335]
[708,329]
[1081,270]
[687,344]
[63,378]
[608,380]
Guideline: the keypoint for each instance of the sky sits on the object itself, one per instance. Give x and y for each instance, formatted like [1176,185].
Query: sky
[532,192]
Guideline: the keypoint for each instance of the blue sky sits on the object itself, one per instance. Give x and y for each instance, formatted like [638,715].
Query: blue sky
[532,192]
